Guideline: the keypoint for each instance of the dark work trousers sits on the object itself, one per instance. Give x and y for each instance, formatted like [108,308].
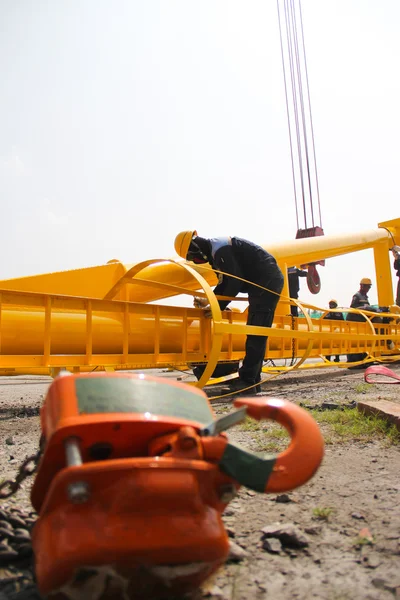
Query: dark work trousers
[261,314]
[398,293]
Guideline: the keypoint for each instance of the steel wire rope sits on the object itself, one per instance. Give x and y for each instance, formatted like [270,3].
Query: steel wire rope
[305,305]
[296,64]
[310,113]
[293,345]
[292,364]
[244,281]
[301,100]
[291,54]
[391,235]
[288,117]
[234,298]
[291,300]
[295,106]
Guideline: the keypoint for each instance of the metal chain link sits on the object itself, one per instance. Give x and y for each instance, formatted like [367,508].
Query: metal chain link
[30,465]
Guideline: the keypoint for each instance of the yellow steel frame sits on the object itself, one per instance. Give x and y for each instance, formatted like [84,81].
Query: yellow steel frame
[312,338]
[42,331]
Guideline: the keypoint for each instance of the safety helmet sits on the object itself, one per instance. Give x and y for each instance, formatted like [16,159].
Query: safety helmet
[365,281]
[333,301]
[182,242]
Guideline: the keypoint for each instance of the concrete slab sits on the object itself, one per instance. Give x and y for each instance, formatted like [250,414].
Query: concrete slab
[384,408]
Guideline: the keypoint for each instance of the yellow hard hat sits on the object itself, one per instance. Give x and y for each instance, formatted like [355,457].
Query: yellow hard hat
[365,281]
[182,242]
[333,301]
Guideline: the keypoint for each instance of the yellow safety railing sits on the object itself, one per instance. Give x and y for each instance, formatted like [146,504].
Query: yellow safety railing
[42,333]
[101,317]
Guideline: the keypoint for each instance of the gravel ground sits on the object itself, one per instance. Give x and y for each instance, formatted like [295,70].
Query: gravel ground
[359,482]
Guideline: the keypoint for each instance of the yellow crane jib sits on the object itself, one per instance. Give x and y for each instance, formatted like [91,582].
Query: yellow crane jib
[108,317]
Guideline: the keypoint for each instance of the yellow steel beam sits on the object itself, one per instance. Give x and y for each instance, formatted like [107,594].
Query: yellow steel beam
[99,281]
[40,331]
[46,325]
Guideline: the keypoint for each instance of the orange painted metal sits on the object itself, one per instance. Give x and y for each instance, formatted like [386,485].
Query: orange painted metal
[143,511]
[301,459]
[131,487]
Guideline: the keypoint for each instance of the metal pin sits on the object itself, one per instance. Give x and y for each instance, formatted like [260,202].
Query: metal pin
[78,491]
[73,452]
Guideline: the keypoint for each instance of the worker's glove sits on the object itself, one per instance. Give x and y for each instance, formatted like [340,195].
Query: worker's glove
[200,302]
[372,309]
[207,313]
[384,309]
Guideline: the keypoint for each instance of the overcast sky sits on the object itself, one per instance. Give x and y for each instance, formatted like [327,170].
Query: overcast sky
[124,122]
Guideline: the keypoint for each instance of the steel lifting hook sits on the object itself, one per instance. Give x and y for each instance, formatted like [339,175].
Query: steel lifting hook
[289,469]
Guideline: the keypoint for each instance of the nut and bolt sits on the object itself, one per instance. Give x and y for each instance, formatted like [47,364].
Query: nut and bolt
[78,492]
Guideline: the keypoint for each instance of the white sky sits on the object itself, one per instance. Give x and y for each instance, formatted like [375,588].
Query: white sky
[125,122]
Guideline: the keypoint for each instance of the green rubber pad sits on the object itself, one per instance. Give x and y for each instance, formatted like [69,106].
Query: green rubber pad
[124,395]
[247,468]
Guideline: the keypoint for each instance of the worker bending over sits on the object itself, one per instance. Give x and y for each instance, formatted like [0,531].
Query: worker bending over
[245,260]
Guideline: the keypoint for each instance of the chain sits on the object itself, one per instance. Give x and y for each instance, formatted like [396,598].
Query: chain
[30,465]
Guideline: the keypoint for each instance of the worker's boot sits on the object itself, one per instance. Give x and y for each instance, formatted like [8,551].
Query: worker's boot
[243,388]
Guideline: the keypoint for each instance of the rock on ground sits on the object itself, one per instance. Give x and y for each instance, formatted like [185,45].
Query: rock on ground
[354,479]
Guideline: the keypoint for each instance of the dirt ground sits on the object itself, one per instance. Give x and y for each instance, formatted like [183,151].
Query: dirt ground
[359,482]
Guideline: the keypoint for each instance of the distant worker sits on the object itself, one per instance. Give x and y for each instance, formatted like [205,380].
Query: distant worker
[360,300]
[294,286]
[334,315]
[396,265]
[245,260]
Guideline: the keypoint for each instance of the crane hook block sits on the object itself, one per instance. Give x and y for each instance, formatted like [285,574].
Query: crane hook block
[133,479]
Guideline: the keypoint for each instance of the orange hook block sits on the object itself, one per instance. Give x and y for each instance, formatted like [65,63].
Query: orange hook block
[134,477]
